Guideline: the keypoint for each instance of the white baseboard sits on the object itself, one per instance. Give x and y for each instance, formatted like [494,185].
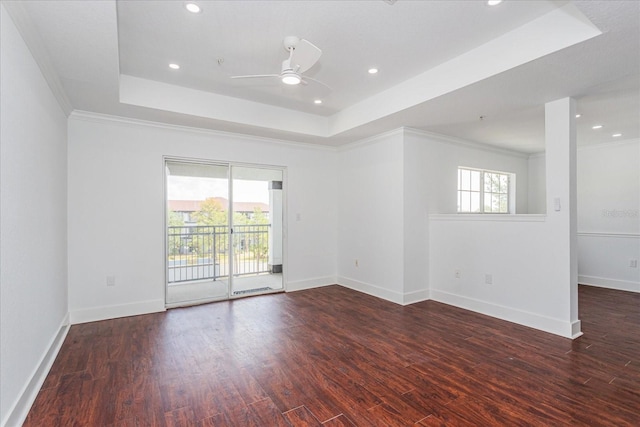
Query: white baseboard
[316,282]
[601,282]
[18,413]
[95,314]
[576,329]
[415,296]
[386,294]
[547,324]
[372,290]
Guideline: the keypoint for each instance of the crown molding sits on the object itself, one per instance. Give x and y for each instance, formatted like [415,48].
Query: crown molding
[464,142]
[370,140]
[437,138]
[88,116]
[540,154]
[34,43]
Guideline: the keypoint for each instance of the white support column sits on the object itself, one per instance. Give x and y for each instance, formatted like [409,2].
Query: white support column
[275,233]
[560,136]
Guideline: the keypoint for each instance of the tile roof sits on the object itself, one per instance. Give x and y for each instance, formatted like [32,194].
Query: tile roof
[194,205]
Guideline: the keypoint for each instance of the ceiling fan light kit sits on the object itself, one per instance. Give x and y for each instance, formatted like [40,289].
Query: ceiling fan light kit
[290,78]
[193,7]
[302,56]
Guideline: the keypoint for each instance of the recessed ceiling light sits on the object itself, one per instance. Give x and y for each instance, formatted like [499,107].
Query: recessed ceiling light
[174,66]
[193,8]
[578,116]
[373,70]
[597,127]
[317,101]
[494,2]
[615,135]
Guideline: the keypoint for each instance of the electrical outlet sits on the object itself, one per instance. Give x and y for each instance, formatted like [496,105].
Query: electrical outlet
[357,263]
[111,280]
[457,274]
[633,263]
[488,279]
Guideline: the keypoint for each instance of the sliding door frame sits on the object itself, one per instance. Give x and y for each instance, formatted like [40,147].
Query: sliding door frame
[230,165]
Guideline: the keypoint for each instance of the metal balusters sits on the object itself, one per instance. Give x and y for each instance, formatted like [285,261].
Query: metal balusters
[198,252]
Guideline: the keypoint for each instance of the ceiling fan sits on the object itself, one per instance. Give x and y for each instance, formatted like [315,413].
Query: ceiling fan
[302,56]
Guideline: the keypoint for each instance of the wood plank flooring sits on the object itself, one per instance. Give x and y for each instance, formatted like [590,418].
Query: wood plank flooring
[334,357]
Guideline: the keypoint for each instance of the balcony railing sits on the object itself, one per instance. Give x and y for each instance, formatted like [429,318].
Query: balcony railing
[198,252]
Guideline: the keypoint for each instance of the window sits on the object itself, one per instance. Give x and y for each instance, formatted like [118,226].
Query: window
[482,191]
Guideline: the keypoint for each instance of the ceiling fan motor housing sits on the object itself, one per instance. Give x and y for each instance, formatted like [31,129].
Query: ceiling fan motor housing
[290,42]
[288,75]
[302,56]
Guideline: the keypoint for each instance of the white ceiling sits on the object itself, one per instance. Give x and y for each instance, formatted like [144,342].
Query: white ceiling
[443,64]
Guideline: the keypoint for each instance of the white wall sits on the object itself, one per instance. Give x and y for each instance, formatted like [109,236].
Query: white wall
[116,208]
[514,250]
[430,186]
[609,187]
[33,265]
[387,187]
[419,188]
[609,215]
[608,192]
[370,216]
[439,161]
[526,256]
[536,191]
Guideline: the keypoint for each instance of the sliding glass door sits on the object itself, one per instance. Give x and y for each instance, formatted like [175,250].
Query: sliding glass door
[223,231]
[257,230]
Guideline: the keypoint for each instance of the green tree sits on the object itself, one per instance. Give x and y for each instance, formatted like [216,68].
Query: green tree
[174,219]
[259,246]
[259,218]
[208,240]
[211,213]
[212,220]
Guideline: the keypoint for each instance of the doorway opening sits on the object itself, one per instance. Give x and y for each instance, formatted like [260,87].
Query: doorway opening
[224,231]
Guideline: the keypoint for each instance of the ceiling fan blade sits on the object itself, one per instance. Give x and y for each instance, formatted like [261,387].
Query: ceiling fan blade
[304,56]
[305,78]
[255,76]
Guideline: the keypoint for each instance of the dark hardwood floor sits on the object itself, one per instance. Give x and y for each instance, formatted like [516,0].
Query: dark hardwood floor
[335,357]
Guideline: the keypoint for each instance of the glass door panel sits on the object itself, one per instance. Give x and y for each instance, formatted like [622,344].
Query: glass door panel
[256,233]
[197,232]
